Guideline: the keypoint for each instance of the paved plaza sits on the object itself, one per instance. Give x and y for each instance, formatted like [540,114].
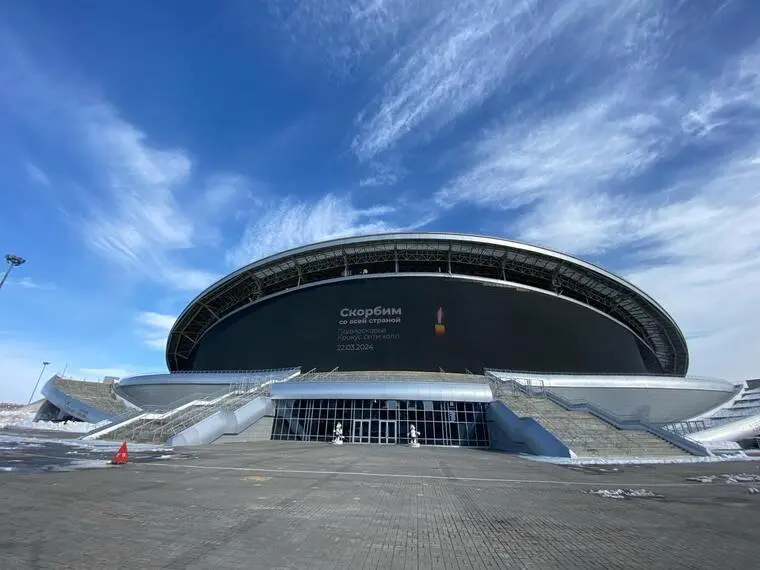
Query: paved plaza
[292,505]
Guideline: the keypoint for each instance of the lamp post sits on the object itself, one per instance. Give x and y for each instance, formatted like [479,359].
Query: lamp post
[13,261]
[44,365]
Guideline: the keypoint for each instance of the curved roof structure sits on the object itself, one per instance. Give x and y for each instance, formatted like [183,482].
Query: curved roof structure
[455,254]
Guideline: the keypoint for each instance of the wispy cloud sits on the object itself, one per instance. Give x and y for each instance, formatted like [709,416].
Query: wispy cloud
[702,260]
[36,174]
[133,215]
[466,51]
[100,373]
[731,99]
[581,181]
[346,31]
[291,223]
[29,283]
[224,191]
[154,328]
[385,173]
[604,141]
[577,178]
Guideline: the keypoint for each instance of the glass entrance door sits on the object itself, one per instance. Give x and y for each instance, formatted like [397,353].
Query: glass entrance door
[360,433]
[387,431]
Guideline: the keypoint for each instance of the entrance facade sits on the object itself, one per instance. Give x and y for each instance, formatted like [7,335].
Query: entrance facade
[382,421]
[373,431]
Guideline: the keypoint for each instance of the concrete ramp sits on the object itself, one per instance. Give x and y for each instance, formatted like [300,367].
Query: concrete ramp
[514,434]
[223,422]
[258,431]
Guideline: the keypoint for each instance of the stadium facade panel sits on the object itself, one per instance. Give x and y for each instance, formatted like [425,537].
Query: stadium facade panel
[422,322]
[495,297]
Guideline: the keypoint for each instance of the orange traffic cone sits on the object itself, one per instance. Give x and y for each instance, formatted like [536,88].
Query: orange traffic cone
[122,456]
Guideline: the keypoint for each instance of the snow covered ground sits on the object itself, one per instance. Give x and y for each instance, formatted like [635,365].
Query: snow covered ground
[623,493]
[26,454]
[637,460]
[729,478]
[23,418]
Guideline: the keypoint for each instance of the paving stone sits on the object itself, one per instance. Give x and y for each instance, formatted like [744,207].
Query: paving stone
[291,505]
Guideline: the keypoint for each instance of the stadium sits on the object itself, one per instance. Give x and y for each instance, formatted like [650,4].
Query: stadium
[477,341]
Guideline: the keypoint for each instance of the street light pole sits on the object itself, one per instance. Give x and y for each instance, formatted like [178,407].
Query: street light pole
[13,261]
[44,365]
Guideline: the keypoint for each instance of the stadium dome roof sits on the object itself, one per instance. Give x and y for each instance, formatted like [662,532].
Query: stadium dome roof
[420,253]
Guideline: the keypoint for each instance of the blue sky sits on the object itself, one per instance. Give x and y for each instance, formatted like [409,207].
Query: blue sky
[147,149]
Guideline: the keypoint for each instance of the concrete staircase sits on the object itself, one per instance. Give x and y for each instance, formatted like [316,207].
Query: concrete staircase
[259,431]
[586,434]
[96,394]
[159,427]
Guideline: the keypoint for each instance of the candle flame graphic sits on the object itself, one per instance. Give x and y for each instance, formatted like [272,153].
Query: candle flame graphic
[440,315]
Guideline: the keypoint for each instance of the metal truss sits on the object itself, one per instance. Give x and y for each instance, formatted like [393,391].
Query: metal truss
[456,255]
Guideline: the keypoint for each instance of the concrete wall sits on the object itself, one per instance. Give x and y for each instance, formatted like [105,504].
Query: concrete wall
[250,413]
[657,399]
[651,404]
[513,434]
[149,396]
[223,422]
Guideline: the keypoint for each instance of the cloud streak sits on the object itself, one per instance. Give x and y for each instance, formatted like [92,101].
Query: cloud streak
[581,181]
[36,174]
[154,328]
[291,223]
[133,215]
[600,143]
[467,51]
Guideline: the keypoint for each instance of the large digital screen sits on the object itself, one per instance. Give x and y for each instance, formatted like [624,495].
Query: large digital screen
[419,323]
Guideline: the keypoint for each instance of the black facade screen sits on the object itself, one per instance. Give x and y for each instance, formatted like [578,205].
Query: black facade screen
[420,323]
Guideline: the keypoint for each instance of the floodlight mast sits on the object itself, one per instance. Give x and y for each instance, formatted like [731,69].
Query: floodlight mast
[44,365]
[13,261]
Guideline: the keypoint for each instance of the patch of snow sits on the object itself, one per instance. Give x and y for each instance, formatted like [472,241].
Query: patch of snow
[88,444]
[720,445]
[730,478]
[83,464]
[753,490]
[742,478]
[637,460]
[622,493]
[23,418]
[6,469]
[702,478]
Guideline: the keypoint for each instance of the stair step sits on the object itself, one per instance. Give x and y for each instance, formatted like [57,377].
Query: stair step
[587,434]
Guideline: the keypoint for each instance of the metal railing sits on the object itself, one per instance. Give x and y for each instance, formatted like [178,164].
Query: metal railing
[149,414]
[312,375]
[230,402]
[689,426]
[112,423]
[549,375]
[336,375]
[261,371]
[157,426]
